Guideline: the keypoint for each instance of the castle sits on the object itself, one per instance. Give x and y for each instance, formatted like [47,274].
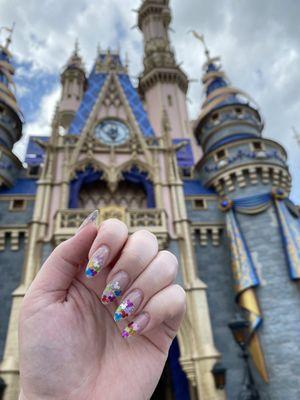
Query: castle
[214,192]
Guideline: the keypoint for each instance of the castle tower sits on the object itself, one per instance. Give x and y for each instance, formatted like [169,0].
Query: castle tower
[73,81]
[163,84]
[10,119]
[260,261]
[114,160]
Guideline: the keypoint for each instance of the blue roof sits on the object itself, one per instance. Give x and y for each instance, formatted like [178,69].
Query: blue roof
[185,157]
[22,186]
[136,105]
[95,84]
[35,154]
[96,81]
[193,187]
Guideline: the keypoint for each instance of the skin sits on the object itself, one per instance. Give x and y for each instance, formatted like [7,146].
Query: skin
[70,346]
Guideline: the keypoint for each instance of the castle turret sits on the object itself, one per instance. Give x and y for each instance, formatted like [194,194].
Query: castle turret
[10,118]
[229,131]
[162,85]
[73,81]
[252,182]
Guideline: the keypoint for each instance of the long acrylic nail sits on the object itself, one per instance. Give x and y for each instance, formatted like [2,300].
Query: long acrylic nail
[136,326]
[115,287]
[129,305]
[91,218]
[97,262]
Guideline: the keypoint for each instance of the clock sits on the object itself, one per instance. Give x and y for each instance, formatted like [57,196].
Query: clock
[112,132]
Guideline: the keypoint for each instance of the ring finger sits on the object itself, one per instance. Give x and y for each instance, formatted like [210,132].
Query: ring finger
[160,273]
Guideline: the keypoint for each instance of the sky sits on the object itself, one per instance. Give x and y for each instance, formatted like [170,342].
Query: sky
[258,42]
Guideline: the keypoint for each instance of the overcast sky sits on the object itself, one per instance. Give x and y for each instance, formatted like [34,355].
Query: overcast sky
[259,42]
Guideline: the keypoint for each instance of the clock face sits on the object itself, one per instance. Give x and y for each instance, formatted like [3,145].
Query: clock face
[112,132]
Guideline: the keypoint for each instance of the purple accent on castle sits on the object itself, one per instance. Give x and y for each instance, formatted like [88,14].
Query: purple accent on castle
[185,155]
[193,187]
[22,186]
[35,154]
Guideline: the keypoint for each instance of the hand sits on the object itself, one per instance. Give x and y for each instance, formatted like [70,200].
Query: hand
[71,348]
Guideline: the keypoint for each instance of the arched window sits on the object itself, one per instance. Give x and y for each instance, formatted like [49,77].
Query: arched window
[97,194]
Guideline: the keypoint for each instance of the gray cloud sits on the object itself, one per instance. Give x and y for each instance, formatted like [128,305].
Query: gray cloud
[257,40]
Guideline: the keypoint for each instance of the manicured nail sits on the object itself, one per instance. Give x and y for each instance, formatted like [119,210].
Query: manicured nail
[115,287]
[97,262]
[129,305]
[136,326]
[91,218]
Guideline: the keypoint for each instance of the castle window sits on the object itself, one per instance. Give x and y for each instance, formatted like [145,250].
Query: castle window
[33,170]
[186,172]
[170,100]
[257,146]
[17,205]
[199,204]
[215,117]
[238,110]
[221,154]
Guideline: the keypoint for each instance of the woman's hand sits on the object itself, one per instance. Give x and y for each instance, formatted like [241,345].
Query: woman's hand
[75,342]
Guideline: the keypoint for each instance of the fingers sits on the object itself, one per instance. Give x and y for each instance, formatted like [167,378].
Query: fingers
[161,317]
[160,273]
[140,249]
[59,270]
[110,239]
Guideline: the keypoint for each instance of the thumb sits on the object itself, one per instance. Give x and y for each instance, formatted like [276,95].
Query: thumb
[61,267]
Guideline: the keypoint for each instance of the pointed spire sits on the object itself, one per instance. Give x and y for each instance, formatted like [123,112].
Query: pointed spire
[154,19]
[7,71]
[202,40]
[75,61]
[217,87]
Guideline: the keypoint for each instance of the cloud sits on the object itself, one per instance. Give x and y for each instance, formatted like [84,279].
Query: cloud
[258,42]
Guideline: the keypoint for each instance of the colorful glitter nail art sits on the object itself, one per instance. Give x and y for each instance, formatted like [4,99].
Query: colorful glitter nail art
[91,218]
[97,262]
[136,326]
[128,305]
[115,287]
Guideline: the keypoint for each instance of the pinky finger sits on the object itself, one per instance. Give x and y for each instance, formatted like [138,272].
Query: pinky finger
[161,317]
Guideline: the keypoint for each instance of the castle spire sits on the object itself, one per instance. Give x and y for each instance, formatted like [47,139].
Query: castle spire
[73,81]
[11,118]
[154,18]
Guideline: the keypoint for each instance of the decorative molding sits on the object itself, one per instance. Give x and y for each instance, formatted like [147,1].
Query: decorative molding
[14,234]
[208,233]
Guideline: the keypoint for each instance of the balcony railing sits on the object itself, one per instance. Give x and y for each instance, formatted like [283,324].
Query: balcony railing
[155,220]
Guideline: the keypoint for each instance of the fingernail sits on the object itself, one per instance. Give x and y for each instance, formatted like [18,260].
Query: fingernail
[97,262]
[91,218]
[115,287]
[128,305]
[136,326]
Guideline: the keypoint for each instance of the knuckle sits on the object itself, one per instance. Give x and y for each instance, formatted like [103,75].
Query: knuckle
[114,225]
[170,264]
[133,257]
[146,237]
[180,296]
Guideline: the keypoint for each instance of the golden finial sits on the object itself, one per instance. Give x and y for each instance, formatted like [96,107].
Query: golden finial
[126,61]
[11,31]
[98,50]
[202,40]
[76,48]
[296,134]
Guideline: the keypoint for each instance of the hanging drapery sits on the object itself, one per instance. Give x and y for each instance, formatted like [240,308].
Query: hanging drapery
[253,204]
[245,280]
[290,232]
